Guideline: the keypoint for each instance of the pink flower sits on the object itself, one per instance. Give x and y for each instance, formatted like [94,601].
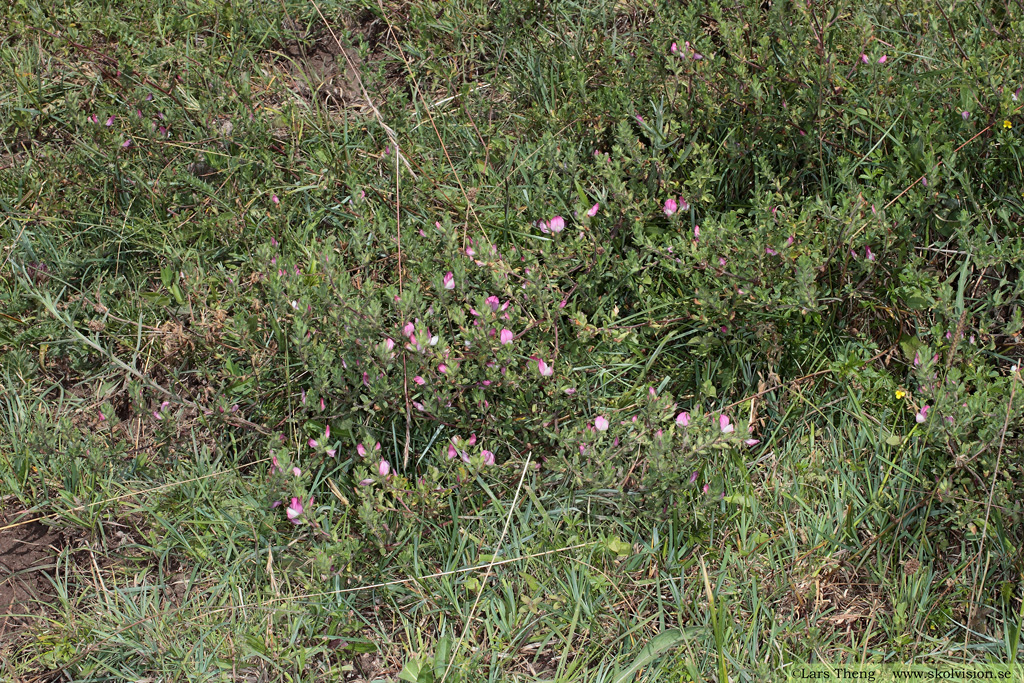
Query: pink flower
[922,414]
[965,114]
[684,205]
[507,336]
[366,482]
[384,468]
[418,406]
[488,457]
[723,423]
[452,453]
[883,59]
[557,224]
[790,240]
[864,58]
[294,510]
[322,406]
[769,250]
[296,471]
[722,261]
[93,119]
[592,211]
[545,369]
[274,199]
[449,280]
[408,329]
[494,303]
[327,429]
[127,143]
[683,419]
[442,368]
[361,450]
[470,252]
[313,443]
[696,232]
[419,380]
[110,121]
[389,344]
[751,442]
[601,424]
[867,252]
[670,206]
[472,439]
[693,477]
[673,48]
[706,487]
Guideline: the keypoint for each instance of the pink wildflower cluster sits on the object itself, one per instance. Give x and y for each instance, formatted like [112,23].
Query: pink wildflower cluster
[687,51]
[457,449]
[555,225]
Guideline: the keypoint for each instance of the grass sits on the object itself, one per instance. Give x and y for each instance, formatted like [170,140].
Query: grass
[183,286]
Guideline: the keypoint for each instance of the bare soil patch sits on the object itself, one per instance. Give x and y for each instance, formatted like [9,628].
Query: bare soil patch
[28,553]
[318,68]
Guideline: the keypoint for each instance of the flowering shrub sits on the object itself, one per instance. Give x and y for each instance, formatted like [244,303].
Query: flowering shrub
[699,216]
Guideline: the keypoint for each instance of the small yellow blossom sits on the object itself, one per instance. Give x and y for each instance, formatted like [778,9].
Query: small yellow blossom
[900,393]
[1007,124]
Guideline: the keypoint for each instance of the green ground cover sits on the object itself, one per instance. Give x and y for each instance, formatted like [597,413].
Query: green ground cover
[509,341]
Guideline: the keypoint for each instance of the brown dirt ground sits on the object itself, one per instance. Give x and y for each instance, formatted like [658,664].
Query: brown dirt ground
[27,554]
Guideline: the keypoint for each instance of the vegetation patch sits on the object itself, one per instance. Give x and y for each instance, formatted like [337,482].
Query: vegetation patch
[509,341]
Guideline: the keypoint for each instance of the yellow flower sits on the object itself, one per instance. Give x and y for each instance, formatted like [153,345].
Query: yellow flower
[1007,124]
[900,393]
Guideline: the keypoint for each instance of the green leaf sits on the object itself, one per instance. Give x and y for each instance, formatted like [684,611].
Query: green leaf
[650,652]
[738,499]
[156,299]
[444,648]
[178,296]
[619,547]
[708,388]
[410,672]
[909,345]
